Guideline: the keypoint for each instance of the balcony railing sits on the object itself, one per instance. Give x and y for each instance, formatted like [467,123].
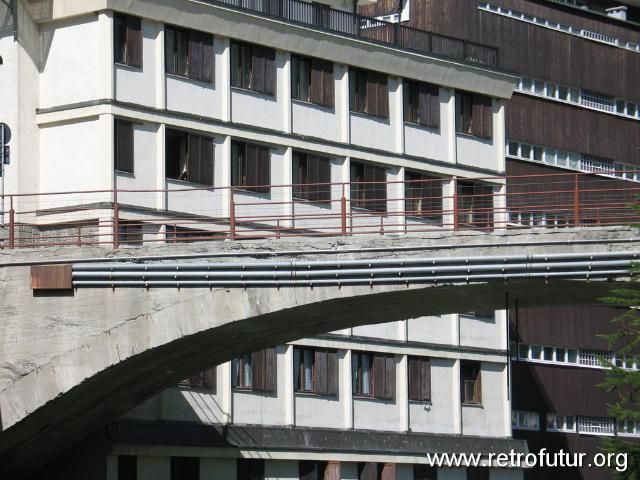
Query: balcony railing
[370,29]
[126,216]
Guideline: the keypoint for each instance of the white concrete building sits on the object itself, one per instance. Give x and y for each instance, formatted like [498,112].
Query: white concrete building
[174,118]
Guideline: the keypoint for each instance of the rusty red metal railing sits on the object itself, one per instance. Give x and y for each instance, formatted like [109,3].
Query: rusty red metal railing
[181,214]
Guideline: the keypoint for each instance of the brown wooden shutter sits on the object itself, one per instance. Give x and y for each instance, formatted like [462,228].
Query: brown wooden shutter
[250,164]
[371,96]
[257,68]
[332,373]
[258,370]
[134,42]
[119,38]
[195,55]
[194,160]
[208,58]
[328,85]
[477,116]
[388,472]
[379,370]
[320,372]
[382,95]
[271,370]
[324,177]
[332,471]
[478,386]
[487,117]
[425,379]
[316,92]
[270,71]
[236,65]
[381,189]
[414,379]
[124,146]
[169,50]
[390,377]
[206,161]
[264,168]
[429,105]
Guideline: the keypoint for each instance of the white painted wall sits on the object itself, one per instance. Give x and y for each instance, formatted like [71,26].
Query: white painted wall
[434,329]
[389,331]
[488,419]
[487,332]
[432,143]
[437,415]
[481,152]
[370,131]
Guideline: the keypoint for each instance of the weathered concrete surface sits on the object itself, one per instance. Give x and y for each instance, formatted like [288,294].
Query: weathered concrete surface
[71,363]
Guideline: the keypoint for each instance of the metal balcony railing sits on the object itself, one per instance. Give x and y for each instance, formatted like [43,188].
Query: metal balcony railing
[367,28]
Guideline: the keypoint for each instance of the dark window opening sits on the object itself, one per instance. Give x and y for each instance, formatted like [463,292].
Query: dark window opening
[253,67]
[373,375]
[419,379]
[185,468]
[176,234]
[255,371]
[204,379]
[474,114]
[130,233]
[189,53]
[478,473]
[127,40]
[423,196]
[250,167]
[315,371]
[368,92]
[312,80]
[124,146]
[475,205]
[471,383]
[368,187]
[127,467]
[421,104]
[311,177]
[310,470]
[189,157]
[250,469]
[376,471]
[424,472]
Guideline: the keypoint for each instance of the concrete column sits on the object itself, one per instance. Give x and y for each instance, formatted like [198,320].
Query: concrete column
[223,171]
[160,75]
[107,171]
[226,392]
[161,196]
[285,93]
[342,102]
[223,76]
[500,217]
[396,112]
[286,193]
[499,132]
[402,391]
[289,394]
[448,192]
[396,206]
[108,71]
[346,390]
[456,405]
[454,321]
[448,122]
[506,410]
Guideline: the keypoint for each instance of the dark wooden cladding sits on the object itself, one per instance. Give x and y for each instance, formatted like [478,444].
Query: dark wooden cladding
[564,326]
[560,390]
[51,277]
[553,124]
[557,56]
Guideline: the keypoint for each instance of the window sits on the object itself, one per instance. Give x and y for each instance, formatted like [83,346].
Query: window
[521,420]
[368,186]
[189,157]
[253,67]
[185,468]
[204,379]
[474,114]
[255,371]
[127,467]
[311,470]
[368,92]
[124,146]
[419,379]
[596,426]
[421,104]
[176,234]
[470,382]
[373,375]
[127,40]
[250,469]
[315,371]
[312,80]
[423,196]
[250,167]
[475,205]
[424,472]
[561,423]
[478,473]
[376,471]
[189,53]
[309,171]
[130,233]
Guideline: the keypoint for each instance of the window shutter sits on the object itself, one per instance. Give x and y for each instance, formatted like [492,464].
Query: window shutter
[295,77]
[313,176]
[487,118]
[169,50]
[124,146]
[477,116]
[379,370]
[236,77]
[264,168]
[390,377]
[270,71]
[250,171]
[320,372]
[388,472]
[195,55]
[433,118]
[353,95]
[382,95]
[208,58]
[425,379]
[332,471]
[361,88]
[328,85]
[316,81]
[194,160]
[258,68]
[270,369]
[134,42]
[381,189]
[478,386]
[414,378]
[332,373]
[258,370]
[206,161]
[119,38]
[371,97]
[324,177]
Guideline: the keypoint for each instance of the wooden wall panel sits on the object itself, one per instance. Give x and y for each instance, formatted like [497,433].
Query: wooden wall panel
[576,129]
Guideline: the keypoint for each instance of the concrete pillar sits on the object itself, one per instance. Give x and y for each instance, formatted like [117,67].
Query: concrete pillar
[289,393]
[396,112]
[285,93]
[161,196]
[402,391]
[226,391]
[107,66]
[448,192]
[346,390]
[222,48]
[500,216]
[456,406]
[448,122]
[342,102]
[285,194]
[160,75]
[499,132]
[222,178]
[396,203]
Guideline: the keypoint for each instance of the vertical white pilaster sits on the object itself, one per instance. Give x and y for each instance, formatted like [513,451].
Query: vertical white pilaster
[448,106]
[223,171]
[500,216]
[108,73]
[286,193]
[455,398]
[161,196]
[223,76]
[342,102]
[507,401]
[289,394]
[499,133]
[285,93]
[448,192]
[396,205]
[396,113]
[346,390]
[226,392]
[402,391]
[160,76]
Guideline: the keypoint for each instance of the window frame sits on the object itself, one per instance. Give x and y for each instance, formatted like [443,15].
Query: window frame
[368,91]
[418,187]
[318,190]
[127,40]
[324,371]
[263,365]
[197,46]
[419,371]
[205,148]
[474,378]
[320,88]
[382,375]
[421,104]
[361,190]
[124,165]
[253,68]
[241,162]
[474,114]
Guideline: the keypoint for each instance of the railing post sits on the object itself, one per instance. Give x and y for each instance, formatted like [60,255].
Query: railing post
[116,220]
[576,200]
[456,220]
[12,224]
[232,215]
[343,213]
